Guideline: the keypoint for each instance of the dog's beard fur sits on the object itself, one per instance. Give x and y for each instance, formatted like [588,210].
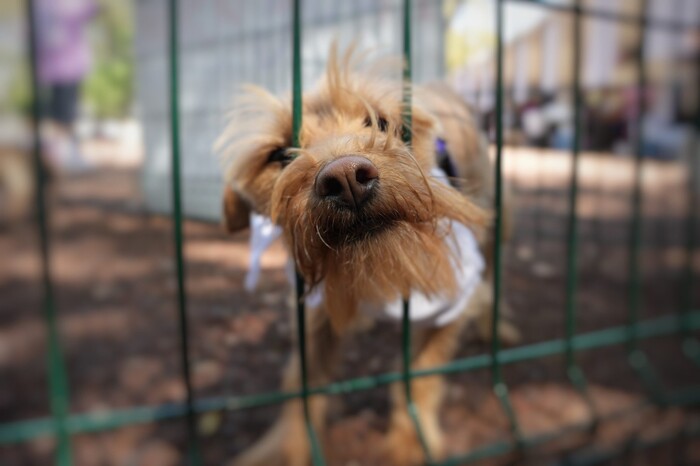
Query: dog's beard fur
[392,245]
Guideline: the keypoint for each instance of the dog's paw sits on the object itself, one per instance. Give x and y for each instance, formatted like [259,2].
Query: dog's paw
[508,333]
[262,457]
[256,456]
[402,447]
[284,444]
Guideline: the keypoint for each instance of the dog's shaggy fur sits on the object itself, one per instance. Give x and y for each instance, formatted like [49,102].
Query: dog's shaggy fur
[391,246]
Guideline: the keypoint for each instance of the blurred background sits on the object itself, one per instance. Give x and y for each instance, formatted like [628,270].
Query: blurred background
[106,138]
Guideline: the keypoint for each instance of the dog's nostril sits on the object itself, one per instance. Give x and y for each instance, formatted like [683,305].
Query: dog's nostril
[330,187]
[348,180]
[366,174]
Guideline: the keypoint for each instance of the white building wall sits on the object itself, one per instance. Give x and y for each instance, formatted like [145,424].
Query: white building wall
[226,43]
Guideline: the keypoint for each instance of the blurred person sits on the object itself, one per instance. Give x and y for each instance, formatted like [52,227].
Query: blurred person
[64,59]
[559,115]
[606,120]
[534,122]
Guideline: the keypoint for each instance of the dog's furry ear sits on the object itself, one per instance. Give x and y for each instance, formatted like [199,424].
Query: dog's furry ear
[236,211]
[422,123]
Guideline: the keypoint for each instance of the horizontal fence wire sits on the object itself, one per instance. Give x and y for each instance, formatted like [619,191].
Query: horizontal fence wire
[668,325]
[63,424]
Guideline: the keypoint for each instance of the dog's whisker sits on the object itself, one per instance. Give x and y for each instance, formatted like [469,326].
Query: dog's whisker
[320,236]
[424,178]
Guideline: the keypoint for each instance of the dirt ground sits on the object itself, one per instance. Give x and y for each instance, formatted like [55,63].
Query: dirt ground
[115,290]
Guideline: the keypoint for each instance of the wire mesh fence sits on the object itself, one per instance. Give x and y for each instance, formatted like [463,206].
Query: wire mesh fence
[681,321]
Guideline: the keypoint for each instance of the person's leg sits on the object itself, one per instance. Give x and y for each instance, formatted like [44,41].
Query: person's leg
[434,347]
[62,111]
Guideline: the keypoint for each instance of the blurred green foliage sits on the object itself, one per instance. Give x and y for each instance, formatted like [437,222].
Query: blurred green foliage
[17,99]
[108,90]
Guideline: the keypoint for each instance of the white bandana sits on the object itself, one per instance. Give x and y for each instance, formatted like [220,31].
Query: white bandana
[436,311]
[262,234]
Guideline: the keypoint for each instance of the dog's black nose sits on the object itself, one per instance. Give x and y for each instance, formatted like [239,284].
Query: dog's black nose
[348,180]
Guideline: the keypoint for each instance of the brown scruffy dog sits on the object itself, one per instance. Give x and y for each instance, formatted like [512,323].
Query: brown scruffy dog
[368,220]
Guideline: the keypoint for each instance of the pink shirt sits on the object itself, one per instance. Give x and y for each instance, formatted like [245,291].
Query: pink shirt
[63,48]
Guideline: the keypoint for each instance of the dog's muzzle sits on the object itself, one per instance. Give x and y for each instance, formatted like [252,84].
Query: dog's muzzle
[348,181]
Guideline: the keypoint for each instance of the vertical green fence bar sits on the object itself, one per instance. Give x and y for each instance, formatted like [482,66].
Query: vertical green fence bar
[297,112]
[194,455]
[58,380]
[637,358]
[499,386]
[691,347]
[573,370]
[407,137]
[407,115]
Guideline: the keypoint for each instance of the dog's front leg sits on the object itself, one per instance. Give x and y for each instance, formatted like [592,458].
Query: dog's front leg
[434,347]
[286,443]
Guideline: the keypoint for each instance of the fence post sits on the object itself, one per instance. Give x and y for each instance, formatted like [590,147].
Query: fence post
[691,346]
[500,388]
[407,137]
[58,380]
[193,442]
[316,452]
[573,370]
[637,357]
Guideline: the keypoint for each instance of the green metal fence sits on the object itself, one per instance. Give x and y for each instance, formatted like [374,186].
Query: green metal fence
[63,425]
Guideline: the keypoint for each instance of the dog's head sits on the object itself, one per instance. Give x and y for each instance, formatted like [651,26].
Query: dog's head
[359,208]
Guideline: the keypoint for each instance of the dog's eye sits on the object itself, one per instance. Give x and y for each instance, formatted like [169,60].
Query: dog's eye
[381,123]
[280,155]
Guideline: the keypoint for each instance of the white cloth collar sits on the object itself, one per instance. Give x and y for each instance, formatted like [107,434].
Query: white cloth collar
[263,232]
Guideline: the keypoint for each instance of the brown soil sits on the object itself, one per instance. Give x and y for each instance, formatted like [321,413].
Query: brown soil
[115,287]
